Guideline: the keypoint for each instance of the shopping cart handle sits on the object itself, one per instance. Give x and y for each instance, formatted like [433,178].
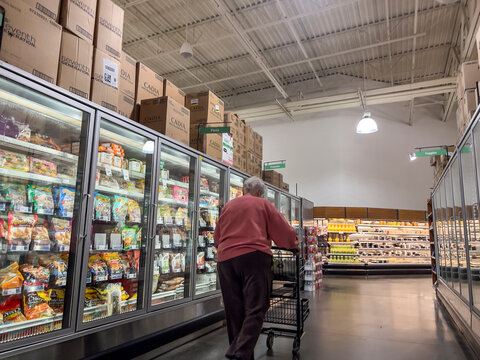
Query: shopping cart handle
[295,251]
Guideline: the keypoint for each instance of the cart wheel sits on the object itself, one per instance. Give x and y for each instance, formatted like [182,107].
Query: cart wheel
[295,355]
[270,338]
[296,345]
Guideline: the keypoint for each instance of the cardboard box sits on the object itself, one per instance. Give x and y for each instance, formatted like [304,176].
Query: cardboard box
[249,139]
[126,105]
[258,145]
[105,80]
[109,28]
[205,107]
[170,90]
[468,76]
[209,144]
[250,162]
[31,41]
[50,8]
[257,167]
[167,116]
[128,69]
[285,186]
[148,84]
[75,67]
[79,17]
[272,177]
[232,120]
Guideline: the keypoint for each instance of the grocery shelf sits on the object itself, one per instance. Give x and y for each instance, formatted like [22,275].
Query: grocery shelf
[29,323]
[129,194]
[172,201]
[342,232]
[343,242]
[393,226]
[336,254]
[209,193]
[175,183]
[393,241]
[11,143]
[393,235]
[120,171]
[392,249]
[393,257]
[35,177]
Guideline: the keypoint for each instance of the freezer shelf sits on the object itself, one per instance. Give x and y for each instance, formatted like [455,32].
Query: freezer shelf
[20,175]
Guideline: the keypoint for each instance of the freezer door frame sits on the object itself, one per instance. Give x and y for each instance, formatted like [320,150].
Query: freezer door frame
[153,222]
[235,172]
[223,168]
[100,115]
[29,81]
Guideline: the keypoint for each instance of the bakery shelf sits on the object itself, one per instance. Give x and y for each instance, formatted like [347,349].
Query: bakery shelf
[129,194]
[11,143]
[35,177]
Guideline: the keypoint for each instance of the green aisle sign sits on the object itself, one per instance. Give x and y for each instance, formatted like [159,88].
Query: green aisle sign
[215,130]
[431,152]
[275,166]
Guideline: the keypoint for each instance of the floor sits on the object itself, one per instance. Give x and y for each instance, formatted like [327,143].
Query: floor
[355,318]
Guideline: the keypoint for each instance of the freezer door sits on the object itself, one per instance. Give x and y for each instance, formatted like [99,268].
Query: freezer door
[43,151]
[173,240]
[284,207]
[119,210]
[211,200]
[270,195]
[235,186]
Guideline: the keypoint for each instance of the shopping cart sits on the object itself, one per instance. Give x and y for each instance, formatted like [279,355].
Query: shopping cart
[288,311]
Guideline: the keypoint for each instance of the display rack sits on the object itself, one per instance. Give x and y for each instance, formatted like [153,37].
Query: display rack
[313,275]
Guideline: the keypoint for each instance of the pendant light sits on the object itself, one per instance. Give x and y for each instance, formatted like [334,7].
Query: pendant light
[367,125]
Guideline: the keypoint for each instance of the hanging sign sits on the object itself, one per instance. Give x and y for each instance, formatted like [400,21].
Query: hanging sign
[433,152]
[275,166]
[215,130]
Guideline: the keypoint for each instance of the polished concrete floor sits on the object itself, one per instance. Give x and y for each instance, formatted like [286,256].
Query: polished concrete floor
[357,318]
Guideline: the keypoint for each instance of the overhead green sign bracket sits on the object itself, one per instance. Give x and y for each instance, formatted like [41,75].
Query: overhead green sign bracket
[433,152]
[272,165]
[215,130]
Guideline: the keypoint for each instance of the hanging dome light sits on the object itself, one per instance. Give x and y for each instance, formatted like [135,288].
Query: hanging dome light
[367,125]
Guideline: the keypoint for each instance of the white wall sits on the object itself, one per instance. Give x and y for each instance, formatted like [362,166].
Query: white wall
[334,166]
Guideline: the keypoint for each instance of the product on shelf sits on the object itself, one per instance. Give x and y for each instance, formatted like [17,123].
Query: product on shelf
[14,161]
[65,200]
[42,199]
[43,167]
[103,210]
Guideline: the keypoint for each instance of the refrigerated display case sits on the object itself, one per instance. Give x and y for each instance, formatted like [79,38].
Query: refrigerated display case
[119,209]
[271,196]
[211,200]
[43,157]
[235,185]
[173,244]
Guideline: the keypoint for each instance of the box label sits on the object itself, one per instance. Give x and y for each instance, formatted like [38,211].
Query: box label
[110,73]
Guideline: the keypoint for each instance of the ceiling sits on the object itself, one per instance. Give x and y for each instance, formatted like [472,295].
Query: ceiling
[246,46]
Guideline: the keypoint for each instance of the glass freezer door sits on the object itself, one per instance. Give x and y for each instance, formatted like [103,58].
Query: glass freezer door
[211,201]
[114,276]
[236,186]
[270,196]
[285,207]
[42,156]
[173,231]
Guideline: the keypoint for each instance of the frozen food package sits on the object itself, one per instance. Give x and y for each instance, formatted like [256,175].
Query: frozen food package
[35,304]
[57,300]
[62,231]
[40,238]
[42,199]
[134,212]
[10,278]
[16,195]
[176,263]
[120,208]
[20,229]
[165,263]
[201,260]
[129,237]
[58,268]
[98,268]
[108,181]
[43,167]
[61,224]
[11,310]
[35,277]
[65,201]
[155,282]
[13,161]
[103,210]
[46,141]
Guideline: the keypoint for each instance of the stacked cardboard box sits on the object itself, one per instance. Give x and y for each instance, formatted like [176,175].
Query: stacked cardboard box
[167,116]
[272,177]
[285,186]
[206,109]
[50,8]
[237,129]
[467,80]
[126,86]
[170,90]
[31,40]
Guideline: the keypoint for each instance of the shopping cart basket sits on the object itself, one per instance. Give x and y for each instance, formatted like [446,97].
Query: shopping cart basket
[288,311]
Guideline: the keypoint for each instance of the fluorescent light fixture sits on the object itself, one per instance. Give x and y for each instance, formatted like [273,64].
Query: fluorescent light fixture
[367,125]
[149,147]
[413,156]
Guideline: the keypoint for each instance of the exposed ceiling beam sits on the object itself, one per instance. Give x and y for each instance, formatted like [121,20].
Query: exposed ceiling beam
[248,44]
[386,95]
[311,38]
[321,57]
[387,17]
[298,40]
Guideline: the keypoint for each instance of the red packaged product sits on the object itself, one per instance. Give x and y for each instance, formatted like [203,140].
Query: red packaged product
[11,310]
[43,167]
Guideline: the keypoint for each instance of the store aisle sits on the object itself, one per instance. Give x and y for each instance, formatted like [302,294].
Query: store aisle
[378,318]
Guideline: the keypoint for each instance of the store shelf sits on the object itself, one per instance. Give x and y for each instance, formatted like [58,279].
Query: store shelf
[129,194]
[392,241]
[11,143]
[343,242]
[121,172]
[334,254]
[175,183]
[35,177]
[342,232]
[393,226]
[209,193]
[391,249]
[393,257]
[172,202]
[392,235]
[10,328]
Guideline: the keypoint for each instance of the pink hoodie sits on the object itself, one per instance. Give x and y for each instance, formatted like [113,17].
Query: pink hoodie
[248,224]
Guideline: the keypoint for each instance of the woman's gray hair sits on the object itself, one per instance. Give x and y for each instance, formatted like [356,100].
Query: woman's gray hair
[254,186]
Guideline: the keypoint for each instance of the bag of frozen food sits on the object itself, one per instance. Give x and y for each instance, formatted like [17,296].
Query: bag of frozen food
[16,195]
[20,228]
[98,268]
[35,304]
[65,201]
[62,231]
[108,181]
[10,277]
[11,310]
[129,237]
[103,210]
[155,282]
[13,161]
[114,265]
[40,238]
[57,300]
[42,199]
[201,260]
[165,263]
[44,140]
[176,263]
[35,277]
[134,212]
[120,208]
[43,167]
[58,269]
